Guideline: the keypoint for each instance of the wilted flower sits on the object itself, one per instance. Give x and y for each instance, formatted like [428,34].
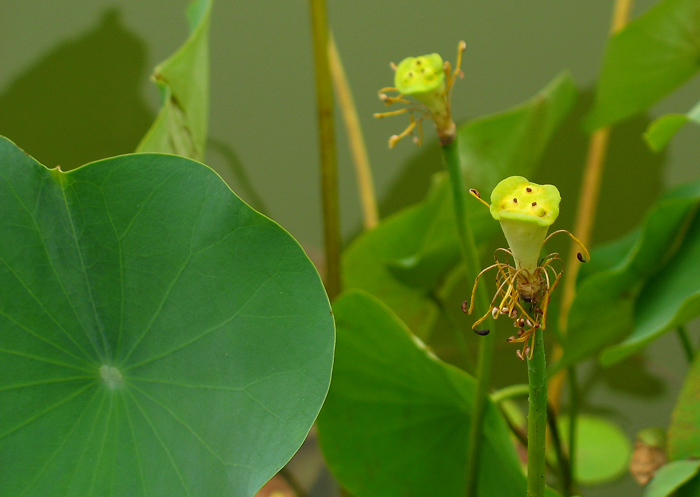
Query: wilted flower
[429,81]
[525,211]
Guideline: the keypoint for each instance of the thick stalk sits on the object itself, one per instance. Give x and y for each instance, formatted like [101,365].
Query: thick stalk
[585,216]
[470,256]
[536,418]
[348,110]
[326,128]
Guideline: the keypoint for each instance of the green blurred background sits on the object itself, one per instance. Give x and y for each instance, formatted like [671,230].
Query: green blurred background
[74,88]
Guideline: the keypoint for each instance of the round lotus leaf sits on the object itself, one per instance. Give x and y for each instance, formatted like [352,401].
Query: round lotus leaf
[420,75]
[517,199]
[159,337]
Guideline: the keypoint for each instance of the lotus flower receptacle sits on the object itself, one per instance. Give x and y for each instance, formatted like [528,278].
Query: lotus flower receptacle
[423,78]
[428,81]
[525,211]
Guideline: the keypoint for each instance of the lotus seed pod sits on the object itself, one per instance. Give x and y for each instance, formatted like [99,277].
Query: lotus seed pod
[525,211]
[423,78]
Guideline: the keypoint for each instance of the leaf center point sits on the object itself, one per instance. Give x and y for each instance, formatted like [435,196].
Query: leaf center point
[111,376]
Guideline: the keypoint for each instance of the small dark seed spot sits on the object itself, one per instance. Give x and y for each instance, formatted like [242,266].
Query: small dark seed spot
[483,333]
[528,189]
[515,200]
[534,204]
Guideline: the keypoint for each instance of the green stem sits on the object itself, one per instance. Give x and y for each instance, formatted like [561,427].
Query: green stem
[329,166]
[685,342]
[470,256]
[536,418]
[573,419]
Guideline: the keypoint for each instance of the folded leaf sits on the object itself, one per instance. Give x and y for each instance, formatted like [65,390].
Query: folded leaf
[183,79]
[664,128]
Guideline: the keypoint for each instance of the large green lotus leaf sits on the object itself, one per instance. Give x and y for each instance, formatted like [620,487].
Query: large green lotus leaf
[670,477]
[158,337]
[403,260]
[648,59]
[183,79]
[684,430]
[660,132]
[616,300]
[396,420]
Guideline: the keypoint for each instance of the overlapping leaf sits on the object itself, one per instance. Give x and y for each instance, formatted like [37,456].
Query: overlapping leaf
[650,290]
[396,421]
[403,259]
[183,79]
[648,59]
[158,336]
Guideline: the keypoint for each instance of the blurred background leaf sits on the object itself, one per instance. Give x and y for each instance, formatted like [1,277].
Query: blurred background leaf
[614,301]
[647,60]
[396,420]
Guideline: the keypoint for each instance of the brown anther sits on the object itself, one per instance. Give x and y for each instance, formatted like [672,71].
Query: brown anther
[465,308]
[483,333]
[520,332]
[519,354]
[528,323]
[521,322]
[505,310]
[513,313]
[494,312]
[383,97]
[392,65]
[510,339]
[579,256]
[527,351]
[475,192]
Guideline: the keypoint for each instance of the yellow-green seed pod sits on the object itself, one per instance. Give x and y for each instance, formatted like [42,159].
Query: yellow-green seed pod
[423,78]
[525,211]
[418,75]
